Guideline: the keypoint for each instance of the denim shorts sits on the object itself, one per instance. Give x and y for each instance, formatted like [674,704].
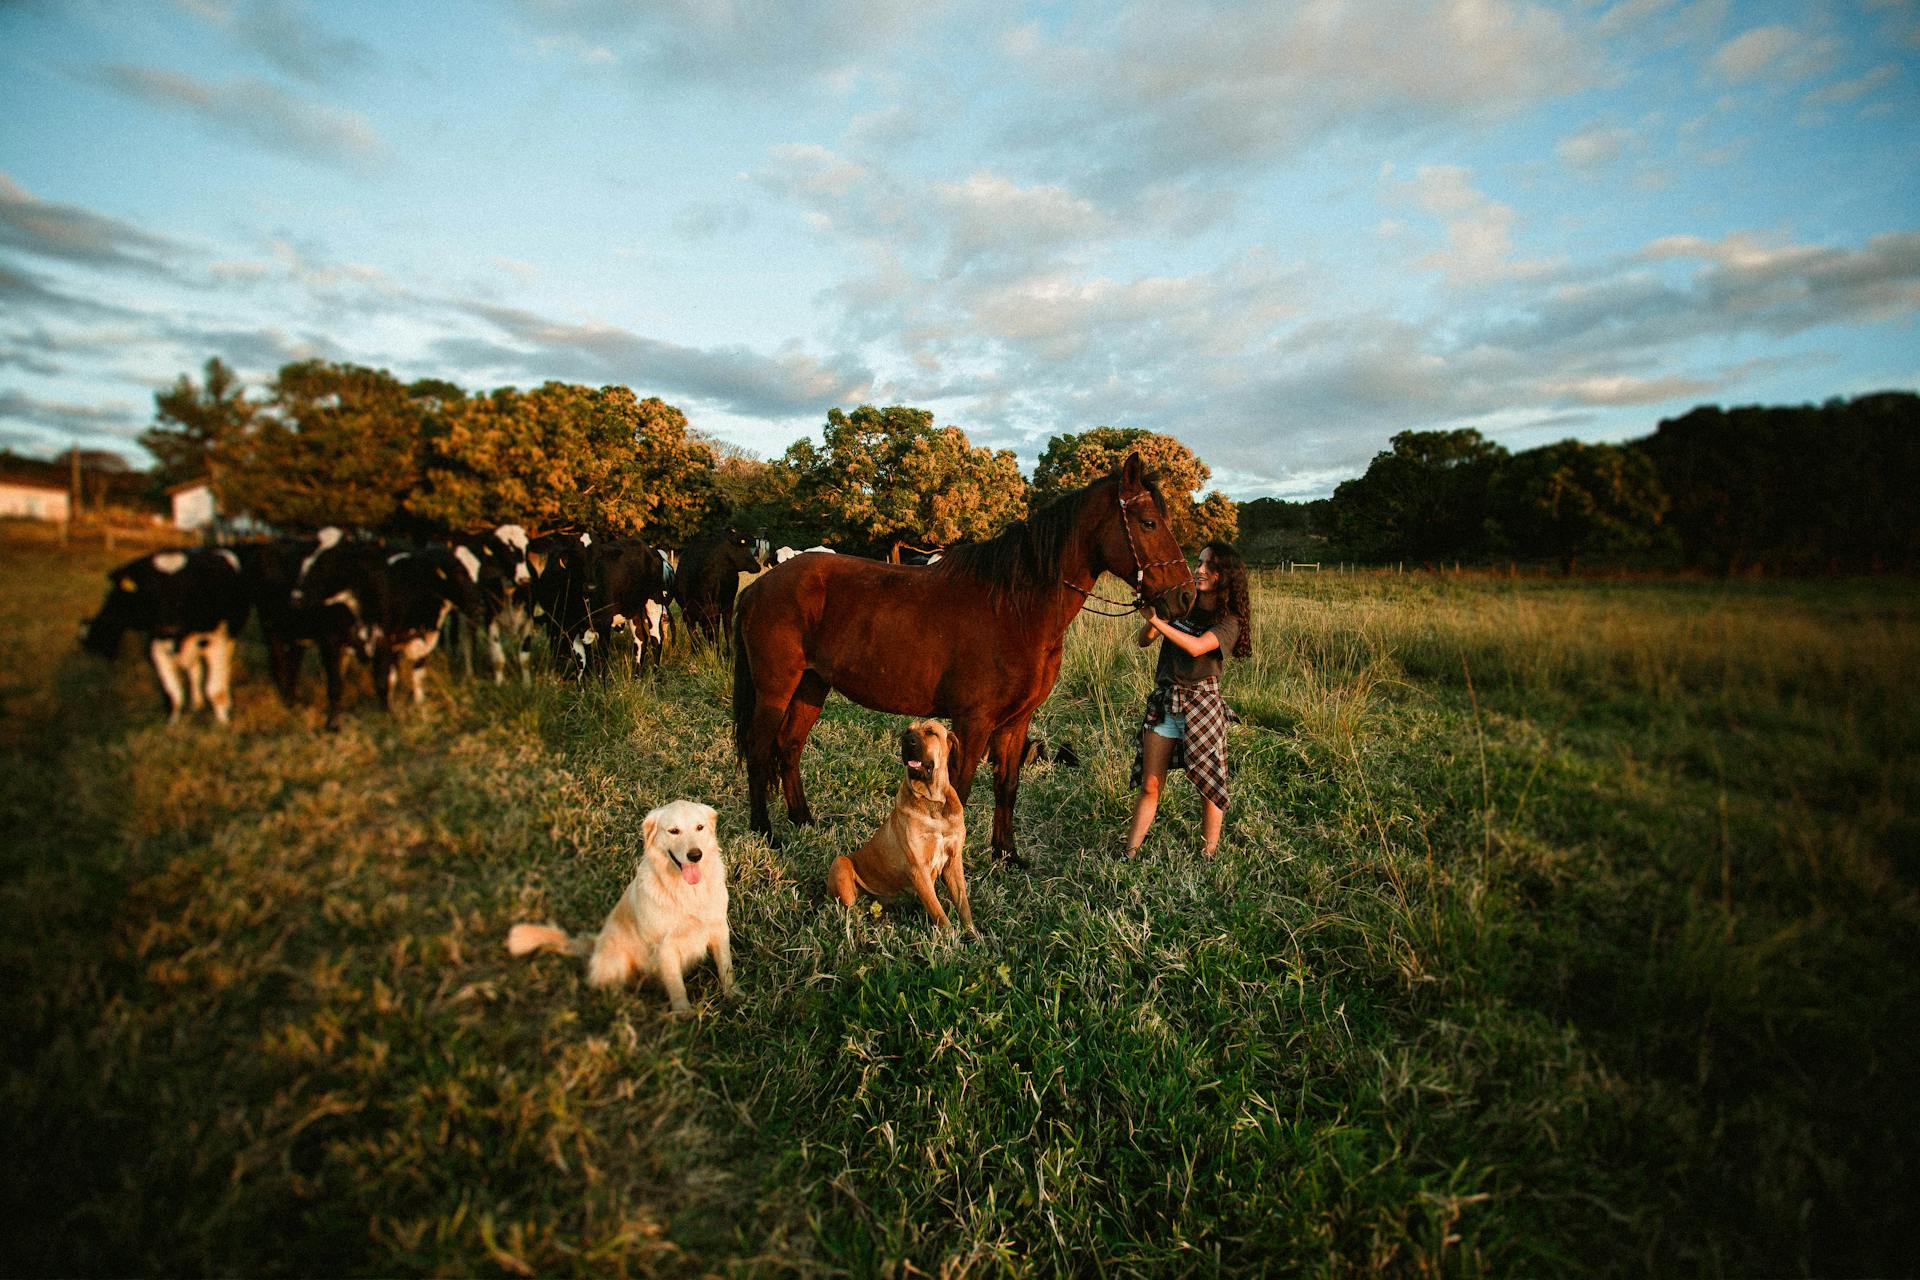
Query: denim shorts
[1174,726]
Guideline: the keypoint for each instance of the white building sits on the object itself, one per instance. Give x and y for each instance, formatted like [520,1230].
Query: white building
[33,499]
[193,506]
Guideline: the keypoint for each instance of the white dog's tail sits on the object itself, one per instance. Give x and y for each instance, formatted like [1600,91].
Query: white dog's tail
[525,939]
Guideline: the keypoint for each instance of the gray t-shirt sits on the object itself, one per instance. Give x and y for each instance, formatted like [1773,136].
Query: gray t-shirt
[1176,664]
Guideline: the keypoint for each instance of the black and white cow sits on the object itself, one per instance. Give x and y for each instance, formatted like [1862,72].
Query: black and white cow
[592,591]
[506,592]
[709,578]
[190,605]
[385,604]
[271,571]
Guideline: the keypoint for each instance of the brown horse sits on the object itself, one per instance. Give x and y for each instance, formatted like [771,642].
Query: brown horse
[976,638]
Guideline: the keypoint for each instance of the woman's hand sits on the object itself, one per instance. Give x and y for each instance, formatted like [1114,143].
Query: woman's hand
[1147,633]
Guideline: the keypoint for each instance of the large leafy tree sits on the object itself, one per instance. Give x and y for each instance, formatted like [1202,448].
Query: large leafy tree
[882,473]
[1073,461]
[190,421]
[1422,499]
[1570,500]
[333,444]
[563,455]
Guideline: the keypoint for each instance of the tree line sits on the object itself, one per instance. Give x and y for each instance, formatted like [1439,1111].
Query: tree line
[339,443]
[1800,489]
[1812,488]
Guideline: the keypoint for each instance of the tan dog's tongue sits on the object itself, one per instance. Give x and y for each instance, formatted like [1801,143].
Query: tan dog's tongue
[691,872]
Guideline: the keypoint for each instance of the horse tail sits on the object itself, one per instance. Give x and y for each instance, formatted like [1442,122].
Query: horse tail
[743,693]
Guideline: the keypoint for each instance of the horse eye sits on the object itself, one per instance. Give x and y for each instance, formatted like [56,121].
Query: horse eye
[1146,522]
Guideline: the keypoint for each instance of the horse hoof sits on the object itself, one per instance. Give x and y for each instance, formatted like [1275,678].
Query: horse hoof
[1011,858]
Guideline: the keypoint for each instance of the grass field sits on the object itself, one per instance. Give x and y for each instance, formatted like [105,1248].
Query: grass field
[1560,928]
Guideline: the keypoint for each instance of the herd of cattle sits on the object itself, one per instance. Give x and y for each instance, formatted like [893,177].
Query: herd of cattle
[344,595]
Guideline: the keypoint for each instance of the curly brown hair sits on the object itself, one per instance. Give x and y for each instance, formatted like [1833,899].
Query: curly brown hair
[1235,598]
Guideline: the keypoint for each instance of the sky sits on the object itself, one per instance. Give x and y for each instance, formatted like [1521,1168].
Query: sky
[1280,232]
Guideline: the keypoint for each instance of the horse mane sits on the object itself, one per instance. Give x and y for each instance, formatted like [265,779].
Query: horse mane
[1020,565]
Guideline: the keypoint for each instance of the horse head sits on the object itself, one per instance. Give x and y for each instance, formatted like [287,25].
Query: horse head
[1140,547]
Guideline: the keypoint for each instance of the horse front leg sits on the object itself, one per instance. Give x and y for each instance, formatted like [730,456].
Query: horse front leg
[802,712]
[1008,748]
[970,744]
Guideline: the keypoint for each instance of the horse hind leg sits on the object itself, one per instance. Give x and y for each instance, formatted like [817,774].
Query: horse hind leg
[802,711]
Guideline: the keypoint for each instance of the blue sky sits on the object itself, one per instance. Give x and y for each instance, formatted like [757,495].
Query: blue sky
[1281,232]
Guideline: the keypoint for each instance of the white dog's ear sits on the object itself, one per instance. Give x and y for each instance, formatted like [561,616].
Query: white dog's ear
[647,826]
[713,818]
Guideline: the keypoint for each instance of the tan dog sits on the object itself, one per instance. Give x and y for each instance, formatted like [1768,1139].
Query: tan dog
[920,840]
[673,913]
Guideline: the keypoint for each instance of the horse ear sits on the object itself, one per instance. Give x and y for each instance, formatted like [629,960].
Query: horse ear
[1134,472]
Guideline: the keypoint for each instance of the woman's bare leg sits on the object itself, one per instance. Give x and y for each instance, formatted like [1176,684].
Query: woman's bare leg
[1156,754]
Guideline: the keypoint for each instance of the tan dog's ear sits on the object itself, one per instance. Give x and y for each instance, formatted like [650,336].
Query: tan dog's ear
[713,818]
[647,827]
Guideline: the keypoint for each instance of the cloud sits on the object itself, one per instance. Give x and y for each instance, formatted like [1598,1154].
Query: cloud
[733,379]
[113,419]
[988,215]
[1775,53]
[757,45]
[1625,389]
[257,112]
[25,290]
[1168,93]
[1478,229]
[285,35]
[1853,90]
[1594,148]
[78,235]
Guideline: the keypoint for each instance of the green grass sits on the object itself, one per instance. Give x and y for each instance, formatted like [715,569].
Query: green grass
[1559,928]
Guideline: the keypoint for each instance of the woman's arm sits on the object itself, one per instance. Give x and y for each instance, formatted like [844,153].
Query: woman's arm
[1192,646]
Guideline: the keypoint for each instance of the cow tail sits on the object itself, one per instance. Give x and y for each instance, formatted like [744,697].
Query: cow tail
[743,694]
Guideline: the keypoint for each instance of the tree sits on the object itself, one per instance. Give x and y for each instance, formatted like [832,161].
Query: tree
[334,444]
[888,472]
[1424,499]
[1794,487]
[191,421]
[568,456]
[1075,461]
[1571,500]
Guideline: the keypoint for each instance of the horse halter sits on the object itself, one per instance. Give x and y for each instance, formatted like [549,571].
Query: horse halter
[1139,567]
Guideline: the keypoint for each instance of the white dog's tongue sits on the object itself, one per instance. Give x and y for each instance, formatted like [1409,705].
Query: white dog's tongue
[691,872]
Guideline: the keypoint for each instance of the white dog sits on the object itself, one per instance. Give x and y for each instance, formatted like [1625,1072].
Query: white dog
[673,913]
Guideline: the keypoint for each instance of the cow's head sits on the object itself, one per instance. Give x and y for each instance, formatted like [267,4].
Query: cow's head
[129,606]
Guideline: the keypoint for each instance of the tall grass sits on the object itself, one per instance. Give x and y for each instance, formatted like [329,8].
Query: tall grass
[1558,928]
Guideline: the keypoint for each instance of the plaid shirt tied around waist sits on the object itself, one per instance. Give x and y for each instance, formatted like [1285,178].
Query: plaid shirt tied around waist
[1203,752]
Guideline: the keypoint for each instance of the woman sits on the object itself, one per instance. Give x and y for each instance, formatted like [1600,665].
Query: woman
[1186,722]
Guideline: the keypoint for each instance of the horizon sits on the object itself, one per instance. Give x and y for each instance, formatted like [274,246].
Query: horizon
[1280,235]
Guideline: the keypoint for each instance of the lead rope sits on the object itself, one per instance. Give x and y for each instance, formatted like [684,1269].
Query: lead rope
[1139,570]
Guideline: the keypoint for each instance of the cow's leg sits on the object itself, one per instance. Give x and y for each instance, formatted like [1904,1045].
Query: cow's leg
[1008,748]
[333,664]
[383,673]
[283,655]
[802,711]
[496,652]
[165,665]
[193,656]
[220,674]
